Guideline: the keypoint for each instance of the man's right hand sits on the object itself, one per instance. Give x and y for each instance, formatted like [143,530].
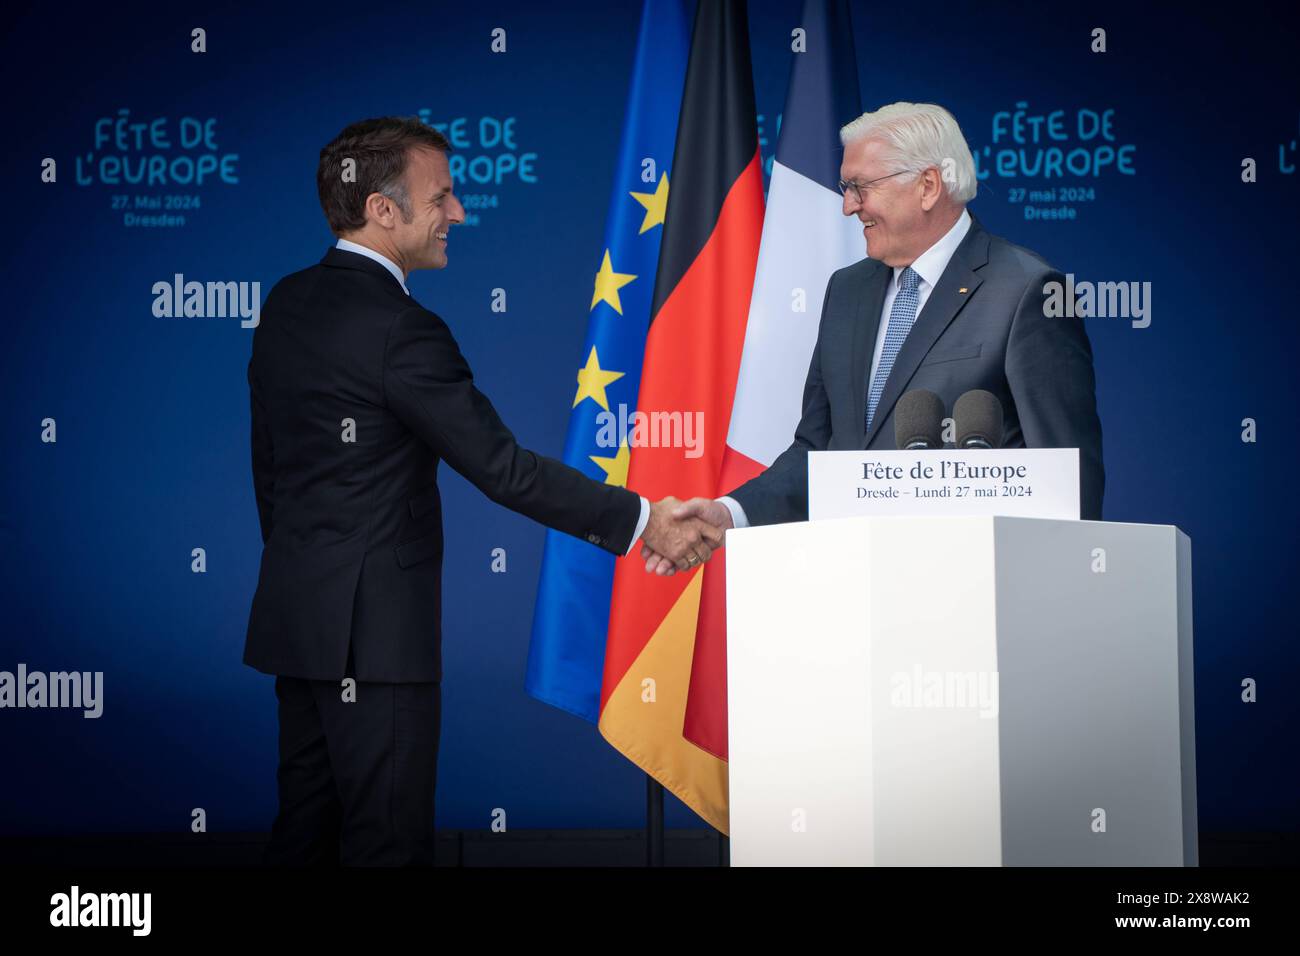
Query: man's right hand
[713,516]
[680,540]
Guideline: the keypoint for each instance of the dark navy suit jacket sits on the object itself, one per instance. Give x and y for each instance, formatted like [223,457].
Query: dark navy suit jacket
[352,529]
[982,327]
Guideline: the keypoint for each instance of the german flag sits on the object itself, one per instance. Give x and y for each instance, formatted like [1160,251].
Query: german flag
[707,259]
[805,239]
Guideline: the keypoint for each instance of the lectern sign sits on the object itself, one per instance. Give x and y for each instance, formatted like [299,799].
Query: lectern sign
[1018,482]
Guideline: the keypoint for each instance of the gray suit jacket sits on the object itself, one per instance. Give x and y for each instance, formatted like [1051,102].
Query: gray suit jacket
[982,327]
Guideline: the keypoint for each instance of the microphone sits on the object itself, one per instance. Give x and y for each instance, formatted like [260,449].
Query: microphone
[978,419]
[918,420]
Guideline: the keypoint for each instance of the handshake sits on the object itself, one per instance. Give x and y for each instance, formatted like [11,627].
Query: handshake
[681,535]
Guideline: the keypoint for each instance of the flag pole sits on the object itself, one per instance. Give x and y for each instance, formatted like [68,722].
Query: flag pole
[654,818]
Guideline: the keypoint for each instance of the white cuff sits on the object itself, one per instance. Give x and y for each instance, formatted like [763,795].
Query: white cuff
[640,525]
[738,518]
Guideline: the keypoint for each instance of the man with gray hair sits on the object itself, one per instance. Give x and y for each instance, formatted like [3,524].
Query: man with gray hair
[939,304]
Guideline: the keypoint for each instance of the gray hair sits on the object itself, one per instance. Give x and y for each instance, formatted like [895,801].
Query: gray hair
[395,189]
[918,135]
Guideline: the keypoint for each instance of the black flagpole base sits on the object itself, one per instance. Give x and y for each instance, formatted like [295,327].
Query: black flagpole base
[654,819]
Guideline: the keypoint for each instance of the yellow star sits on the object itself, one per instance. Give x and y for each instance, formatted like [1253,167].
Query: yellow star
[615,468]
[608,282]
[592,380]
[656,204]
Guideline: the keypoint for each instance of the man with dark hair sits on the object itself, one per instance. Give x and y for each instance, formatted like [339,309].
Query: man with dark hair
[357,392]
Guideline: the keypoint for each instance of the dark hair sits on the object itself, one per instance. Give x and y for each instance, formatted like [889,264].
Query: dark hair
[380,149]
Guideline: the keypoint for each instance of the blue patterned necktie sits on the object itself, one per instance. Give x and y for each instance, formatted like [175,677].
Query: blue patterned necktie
[901,316]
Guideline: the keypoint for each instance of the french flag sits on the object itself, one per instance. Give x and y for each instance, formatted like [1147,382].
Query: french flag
[805,238]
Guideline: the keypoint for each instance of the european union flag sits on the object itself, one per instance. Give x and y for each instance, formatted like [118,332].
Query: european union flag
[567,653]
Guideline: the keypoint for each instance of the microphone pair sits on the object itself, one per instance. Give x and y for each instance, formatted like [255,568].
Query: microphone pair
[919,419]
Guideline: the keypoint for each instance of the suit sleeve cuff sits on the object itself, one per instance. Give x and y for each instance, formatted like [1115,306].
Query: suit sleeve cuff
[738,518]
[640,525]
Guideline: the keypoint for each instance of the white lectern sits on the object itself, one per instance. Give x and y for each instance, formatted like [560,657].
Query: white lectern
[960,691]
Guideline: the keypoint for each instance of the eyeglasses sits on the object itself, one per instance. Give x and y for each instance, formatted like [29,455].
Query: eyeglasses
[857,187]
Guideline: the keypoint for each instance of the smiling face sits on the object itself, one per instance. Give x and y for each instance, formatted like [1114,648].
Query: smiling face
[893,211]
[422,242]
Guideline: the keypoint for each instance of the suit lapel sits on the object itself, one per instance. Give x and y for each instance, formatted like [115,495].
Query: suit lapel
[945,301]
[865,329]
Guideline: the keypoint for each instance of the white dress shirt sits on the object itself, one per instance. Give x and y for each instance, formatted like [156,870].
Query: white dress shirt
[929,266]
[349,246]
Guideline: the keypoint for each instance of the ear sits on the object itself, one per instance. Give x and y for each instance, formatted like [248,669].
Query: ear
[380,209]
[931,188]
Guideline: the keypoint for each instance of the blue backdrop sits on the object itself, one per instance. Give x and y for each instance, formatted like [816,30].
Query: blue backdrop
[152,457]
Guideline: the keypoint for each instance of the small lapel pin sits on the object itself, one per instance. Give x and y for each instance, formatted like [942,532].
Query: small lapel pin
[962,290]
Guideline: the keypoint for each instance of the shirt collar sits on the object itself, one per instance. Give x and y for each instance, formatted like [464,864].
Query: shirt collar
[349,246]
[930,264]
